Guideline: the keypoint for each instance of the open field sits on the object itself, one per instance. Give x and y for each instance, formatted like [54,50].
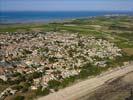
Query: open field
[118,29]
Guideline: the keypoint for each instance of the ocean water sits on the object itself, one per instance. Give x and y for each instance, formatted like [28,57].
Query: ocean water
[34,16]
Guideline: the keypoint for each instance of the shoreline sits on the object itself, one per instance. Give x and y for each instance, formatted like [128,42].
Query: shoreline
[62,20]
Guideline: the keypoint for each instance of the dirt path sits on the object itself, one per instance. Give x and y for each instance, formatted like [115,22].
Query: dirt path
[83,88]
[118,89]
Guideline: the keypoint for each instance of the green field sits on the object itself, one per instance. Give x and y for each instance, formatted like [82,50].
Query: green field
[116,29]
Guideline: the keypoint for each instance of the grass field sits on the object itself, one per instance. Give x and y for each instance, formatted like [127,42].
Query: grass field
[116,29]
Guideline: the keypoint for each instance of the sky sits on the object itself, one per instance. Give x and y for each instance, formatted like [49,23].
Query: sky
[66,5]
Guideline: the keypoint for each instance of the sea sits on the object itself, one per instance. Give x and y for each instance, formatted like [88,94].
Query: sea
[51,16]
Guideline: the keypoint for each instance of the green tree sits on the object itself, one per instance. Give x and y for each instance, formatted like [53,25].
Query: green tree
[17,87]
[65,82]
[88,70]
[34,75]
[54,84]
[52,59]
[43,92]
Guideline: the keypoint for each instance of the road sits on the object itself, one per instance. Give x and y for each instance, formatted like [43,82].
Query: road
[83,88]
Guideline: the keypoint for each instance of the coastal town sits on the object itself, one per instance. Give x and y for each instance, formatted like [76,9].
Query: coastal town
[66,49]
[35,60]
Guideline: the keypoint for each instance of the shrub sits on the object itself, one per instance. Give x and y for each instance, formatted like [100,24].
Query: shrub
[52,59]
[65,82]
[54,84]
[34,75]
[17,87]
[19,98]
[88,70]
[41,92]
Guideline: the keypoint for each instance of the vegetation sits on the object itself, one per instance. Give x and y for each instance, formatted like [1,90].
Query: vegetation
[89,70]
[54,84]
[42,92]
[67,81]
[118,30]
[19,98]
[34,75]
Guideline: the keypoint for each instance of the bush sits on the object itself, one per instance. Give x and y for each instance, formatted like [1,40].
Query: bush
[16,74]
[19,98]
[24,89]
[25,84]
[17,87]
[88,70]
[2,82]
[54,84]
[52,59]
[65,82]
[41,92]
[34,75]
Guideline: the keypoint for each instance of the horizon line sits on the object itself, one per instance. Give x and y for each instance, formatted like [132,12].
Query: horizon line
[65,10]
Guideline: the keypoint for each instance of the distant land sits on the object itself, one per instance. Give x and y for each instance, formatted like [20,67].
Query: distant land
[51,16]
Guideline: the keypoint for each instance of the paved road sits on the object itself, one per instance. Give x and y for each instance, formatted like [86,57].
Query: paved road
[82,88]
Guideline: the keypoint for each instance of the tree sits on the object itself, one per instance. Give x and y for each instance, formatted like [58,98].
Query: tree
[88,70]
[43,92]
[17,87]
[25,86]
[52,59]
[2,82]
[54,84]
[65,82]
[34,75]
[16,74]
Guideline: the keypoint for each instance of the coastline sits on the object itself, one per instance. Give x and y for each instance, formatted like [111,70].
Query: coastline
[36,24]
[29,17]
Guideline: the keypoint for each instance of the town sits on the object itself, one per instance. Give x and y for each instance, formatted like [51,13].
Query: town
[33,61]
